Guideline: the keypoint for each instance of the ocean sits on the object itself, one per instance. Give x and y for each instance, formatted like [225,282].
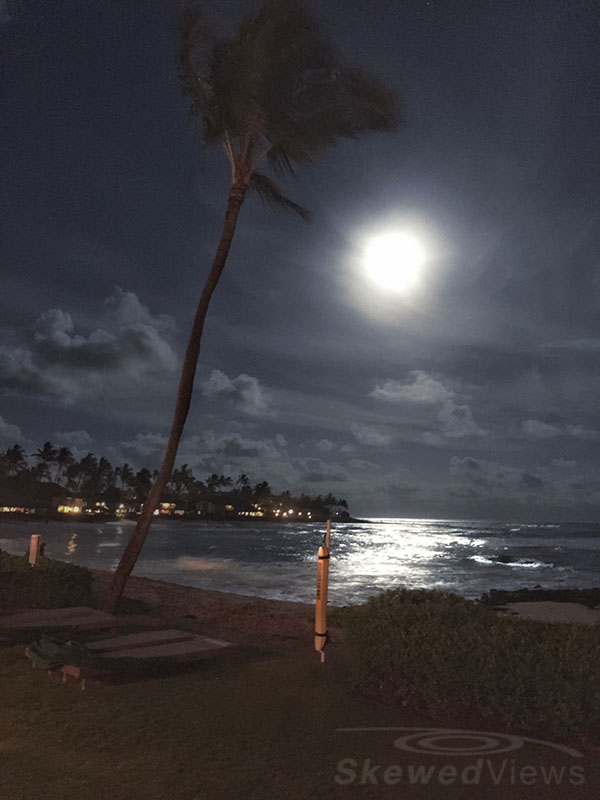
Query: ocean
[278,561]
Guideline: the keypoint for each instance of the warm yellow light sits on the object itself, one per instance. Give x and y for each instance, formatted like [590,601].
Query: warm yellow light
[394,261]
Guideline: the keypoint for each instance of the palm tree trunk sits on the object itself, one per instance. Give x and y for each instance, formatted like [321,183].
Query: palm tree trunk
[182,405]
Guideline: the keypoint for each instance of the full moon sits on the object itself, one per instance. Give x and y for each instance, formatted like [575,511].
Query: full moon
[394,261]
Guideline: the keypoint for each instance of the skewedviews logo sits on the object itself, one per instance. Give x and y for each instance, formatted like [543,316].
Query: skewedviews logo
[477,760]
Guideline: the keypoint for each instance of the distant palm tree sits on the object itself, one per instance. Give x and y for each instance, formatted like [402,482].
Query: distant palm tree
[15,459]
[272,93]
[105,474]
[64,459]
[142,483]
[262,491]
[125,475]
[47,455]
[40,472]
[243,481]
[74,475]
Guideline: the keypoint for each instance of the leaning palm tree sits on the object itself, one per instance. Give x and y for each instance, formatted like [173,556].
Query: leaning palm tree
[272,94]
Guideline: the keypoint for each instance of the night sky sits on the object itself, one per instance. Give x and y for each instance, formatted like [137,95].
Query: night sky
[476,394]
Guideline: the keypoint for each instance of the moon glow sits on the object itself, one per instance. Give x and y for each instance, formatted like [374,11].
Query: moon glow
[394,260]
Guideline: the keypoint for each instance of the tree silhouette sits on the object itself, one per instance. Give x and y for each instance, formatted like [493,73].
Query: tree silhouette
[15,459]
[95,479]
[64,459]
[270,94]
[46,455]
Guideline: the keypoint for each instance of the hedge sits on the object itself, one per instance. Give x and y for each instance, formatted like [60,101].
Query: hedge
[50,584]
[435,652]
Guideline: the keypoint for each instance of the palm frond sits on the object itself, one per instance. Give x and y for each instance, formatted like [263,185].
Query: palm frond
[195,56]
[270,194]
[280,162]
[274,89]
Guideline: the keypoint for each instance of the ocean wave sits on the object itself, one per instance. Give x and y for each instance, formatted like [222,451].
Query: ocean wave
[202,564]
[505,561]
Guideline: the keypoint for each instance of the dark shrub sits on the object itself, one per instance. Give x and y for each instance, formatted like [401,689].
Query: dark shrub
[50,584]
[436,651]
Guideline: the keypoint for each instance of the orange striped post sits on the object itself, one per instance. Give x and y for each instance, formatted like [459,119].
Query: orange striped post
[321,604]
[35,544]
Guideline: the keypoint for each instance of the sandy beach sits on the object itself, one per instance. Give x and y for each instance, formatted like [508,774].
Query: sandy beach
[220,613]
[552,611]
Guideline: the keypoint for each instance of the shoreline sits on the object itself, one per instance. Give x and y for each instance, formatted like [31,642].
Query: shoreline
[96,518]
[229,613]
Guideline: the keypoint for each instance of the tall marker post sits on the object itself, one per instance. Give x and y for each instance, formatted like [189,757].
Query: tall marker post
[321,604]
[35,544]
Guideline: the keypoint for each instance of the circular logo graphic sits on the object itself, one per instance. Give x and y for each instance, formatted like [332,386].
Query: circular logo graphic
[458,743]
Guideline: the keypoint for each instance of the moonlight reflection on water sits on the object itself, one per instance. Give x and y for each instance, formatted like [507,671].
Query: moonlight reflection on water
[278,561]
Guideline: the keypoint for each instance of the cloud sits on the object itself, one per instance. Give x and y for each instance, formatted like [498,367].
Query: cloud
[232,453]
[233,445]
[313,470]
[489,481]
[576,345]
[244,392]
[537,429]
[563,463]
[421,389]
[145,445]
[127,309]
[129,350]
[9,434]
[401,484]
[433,439]
[368,436]
[579,432]
[72,438]
[360,465]
[325,446]
[457,422]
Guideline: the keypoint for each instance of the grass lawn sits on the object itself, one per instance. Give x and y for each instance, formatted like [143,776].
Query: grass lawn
[260,723]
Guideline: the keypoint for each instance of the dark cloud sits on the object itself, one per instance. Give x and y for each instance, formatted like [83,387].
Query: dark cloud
[243,393]
[131,348]
[314,470]
[369,436]
[78,439]
[325,446]
[9,434]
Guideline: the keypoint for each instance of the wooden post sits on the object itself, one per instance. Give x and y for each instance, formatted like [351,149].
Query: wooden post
[321,604]
[34,549]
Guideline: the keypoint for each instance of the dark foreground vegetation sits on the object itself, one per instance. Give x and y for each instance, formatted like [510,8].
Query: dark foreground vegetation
[51,584]
[58,483]
[420,650]
[268,720]
[443,654]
